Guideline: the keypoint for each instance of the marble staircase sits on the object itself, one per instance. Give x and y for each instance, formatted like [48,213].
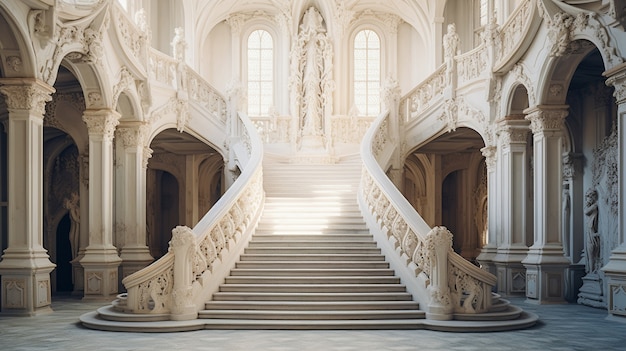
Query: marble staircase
[312,263]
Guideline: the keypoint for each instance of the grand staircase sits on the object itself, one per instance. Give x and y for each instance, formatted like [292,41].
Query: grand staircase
[312,263]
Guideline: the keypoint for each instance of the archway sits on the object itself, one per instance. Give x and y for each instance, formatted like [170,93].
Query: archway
[441,179]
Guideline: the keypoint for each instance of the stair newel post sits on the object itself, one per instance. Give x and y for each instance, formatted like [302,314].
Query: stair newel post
[183,247]
[439,244]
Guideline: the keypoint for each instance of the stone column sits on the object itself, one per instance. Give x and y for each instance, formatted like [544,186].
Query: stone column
[132,162]
[615,269]
[488,252]
[545,263]
[25,265]
[512,247]
[100,261]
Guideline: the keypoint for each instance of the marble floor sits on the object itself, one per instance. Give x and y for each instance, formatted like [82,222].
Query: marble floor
[561,327]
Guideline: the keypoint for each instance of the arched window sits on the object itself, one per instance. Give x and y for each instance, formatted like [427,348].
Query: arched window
[260,73]
[367,73]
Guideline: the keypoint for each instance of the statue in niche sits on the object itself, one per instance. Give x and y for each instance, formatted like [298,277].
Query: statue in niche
[592,242]
[73,207]
[311,83]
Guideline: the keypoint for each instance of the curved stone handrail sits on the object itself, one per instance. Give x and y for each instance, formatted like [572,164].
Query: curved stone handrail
[424,95]
[451,284]
[516,35]
[198,259]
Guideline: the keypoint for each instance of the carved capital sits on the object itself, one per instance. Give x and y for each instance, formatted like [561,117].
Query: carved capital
[101,123]
[131,136]
[491,156]
[182,236]
[513,130]
[616,78]
[546,118]
[29,95]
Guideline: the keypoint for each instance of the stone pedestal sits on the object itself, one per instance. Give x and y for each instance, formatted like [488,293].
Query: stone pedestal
[511,278]
[591,293]
[545,283]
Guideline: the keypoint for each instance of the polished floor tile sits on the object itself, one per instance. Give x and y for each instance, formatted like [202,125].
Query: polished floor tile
[561,327]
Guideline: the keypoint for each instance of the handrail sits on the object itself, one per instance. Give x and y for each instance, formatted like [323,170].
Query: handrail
[454,285]
[198,259]
[423,95]
[514,37]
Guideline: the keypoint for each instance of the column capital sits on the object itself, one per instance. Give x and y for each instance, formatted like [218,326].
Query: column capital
[616,78]
[101,122]
[26,94]
[513,129]
[491,155]
[546,117]
[132,135]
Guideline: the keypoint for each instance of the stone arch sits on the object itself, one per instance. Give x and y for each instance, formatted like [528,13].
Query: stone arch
[17,58]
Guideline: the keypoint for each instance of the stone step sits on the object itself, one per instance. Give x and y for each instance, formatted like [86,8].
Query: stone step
[307,272]
[311,315]
[277,244]
[311,250]
[335,324]
[335,238]
[312,305]
[310,257]
[313,264]
[312,288]
[318,280]
[351,296]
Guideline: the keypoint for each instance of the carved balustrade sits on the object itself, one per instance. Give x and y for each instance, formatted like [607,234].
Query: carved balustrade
[454,284]
[508,39]
[178,284]
[425,95]
[205,94]
[472,65]
[161,67]
[133,39]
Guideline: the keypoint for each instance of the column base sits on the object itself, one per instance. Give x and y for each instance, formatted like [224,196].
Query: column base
[511,278]
[545,283]
[615,274]
[133,260]
[100,273]
[25,291]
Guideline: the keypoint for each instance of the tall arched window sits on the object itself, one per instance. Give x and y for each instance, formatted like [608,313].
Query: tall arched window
[367,72]
[260,73]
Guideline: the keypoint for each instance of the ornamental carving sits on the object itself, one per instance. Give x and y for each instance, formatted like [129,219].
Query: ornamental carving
[14,63]
[490,154]
[560,30]
[126,82]
[182,236]
[618,82]
[101,123]
[311,83]
[26,97]
[519,73]
[544,120]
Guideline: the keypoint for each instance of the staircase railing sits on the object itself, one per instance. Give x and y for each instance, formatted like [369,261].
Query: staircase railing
[198,259]
[442,281]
